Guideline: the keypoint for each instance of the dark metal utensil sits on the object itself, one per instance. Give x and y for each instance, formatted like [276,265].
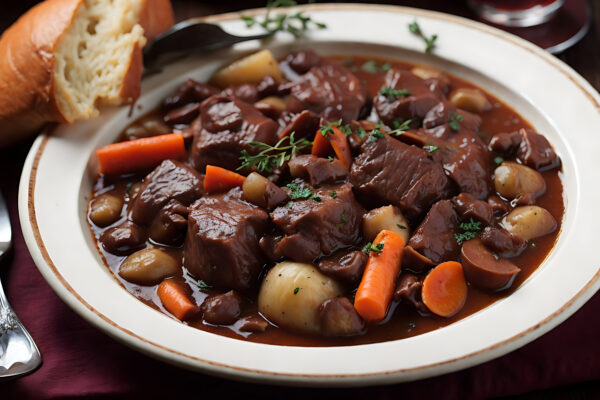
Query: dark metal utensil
[191,35]
[18,353]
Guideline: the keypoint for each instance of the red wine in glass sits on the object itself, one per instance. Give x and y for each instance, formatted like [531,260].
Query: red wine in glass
[516,12]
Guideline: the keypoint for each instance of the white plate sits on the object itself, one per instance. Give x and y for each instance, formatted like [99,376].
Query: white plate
[60,169]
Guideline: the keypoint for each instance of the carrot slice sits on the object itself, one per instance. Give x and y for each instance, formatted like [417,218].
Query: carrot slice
[444,289]
[374,293]
[139,154]
[219,179]
[336,140]
[173,297]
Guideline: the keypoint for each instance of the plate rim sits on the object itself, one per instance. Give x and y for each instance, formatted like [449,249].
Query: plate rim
[57,281]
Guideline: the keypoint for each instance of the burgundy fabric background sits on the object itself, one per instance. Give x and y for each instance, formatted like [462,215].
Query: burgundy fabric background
[80,361]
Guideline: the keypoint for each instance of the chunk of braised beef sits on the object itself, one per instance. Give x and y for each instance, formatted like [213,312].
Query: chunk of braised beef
[268,86]
[222,309]
[304,125]
[190,92]
[245,92]
[268,110]
[388,171]
[183,115]
[123,239]
[171,180]
[434,237]
[301,62]
[252,323]
[221,246]
[345,265]
[227,126]
[268,245]
[498,205]
[502,242]
[331,221]
[170,224]
[298,247]
[468,206]
[408,289]
[329,90]
[415,261]
[338,317]
[317,170]
[445,121]
[505,143]
[536,152]
[413,106]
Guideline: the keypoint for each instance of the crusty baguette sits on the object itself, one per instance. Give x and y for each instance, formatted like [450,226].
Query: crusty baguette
[64,58]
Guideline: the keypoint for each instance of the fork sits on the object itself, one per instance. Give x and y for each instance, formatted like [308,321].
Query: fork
[18,353]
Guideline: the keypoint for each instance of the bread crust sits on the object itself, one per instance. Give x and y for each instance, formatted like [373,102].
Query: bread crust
[27,51]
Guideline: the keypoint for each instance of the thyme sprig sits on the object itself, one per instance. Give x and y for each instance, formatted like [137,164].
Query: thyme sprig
[296,23]
[415,29]
[272,156]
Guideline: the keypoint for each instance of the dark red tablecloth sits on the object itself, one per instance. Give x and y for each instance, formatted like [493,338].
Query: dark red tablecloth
[80,361]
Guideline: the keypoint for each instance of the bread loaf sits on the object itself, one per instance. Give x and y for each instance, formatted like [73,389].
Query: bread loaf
[65,58]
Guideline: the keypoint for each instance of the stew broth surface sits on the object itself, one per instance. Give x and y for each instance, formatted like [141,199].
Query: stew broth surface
[404,321]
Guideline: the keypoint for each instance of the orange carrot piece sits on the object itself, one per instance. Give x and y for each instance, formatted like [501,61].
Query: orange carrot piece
[173,297]
[374,293]
[219,179]
[139,154]
[444,289]
[336,140]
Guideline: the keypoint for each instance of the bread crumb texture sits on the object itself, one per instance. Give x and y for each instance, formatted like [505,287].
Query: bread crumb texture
[94,56]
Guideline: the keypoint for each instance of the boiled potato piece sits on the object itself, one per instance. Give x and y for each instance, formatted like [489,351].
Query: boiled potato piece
[388,217]
[148,267]
[513,180]
[291,294]
[426,72]
[250,69]
[470,99]
[273,101]
[529,222]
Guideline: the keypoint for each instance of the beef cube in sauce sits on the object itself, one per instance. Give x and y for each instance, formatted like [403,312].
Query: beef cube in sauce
[221,246]
[227,126]
[388,171]
[330,218]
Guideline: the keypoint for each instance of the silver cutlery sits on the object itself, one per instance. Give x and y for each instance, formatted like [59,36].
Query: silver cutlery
[191,35]
[18,353]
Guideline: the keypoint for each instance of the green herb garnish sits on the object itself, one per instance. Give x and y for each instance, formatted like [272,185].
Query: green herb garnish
[361,132]
[346,130]
[392,93]
[400,226]
[302,192]
[533,245]
[431,149]
[376,133]
[330,158]
[498,160]
[372,67]
[454,122]
[203,285]
[333,194]
[296,23]
[470,229]
[369,247]
[272,156]
[344,218]
[327,129]
[296,290]
[415,29]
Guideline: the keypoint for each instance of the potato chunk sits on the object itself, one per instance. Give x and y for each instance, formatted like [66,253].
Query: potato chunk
[148,267]
[291,294]
[529,222]
[250,69]
[470,99]
[513,180]
[388,217]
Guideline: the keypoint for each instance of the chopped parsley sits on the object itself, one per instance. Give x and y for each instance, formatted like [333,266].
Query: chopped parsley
[498,160]
[372,67]
[400,226]
[333,194]
[296,290]
[344,218]
[272,156]
[346,130]
[327,129]
[330,158]
[302,192]
[203,285]
[415,29]
[411,326]
[214,267]
[376,133]
[431,149]
[392,93]
[469,229]
[369,247]
[400,128]
[454,122]
[361,132]
[296,23]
